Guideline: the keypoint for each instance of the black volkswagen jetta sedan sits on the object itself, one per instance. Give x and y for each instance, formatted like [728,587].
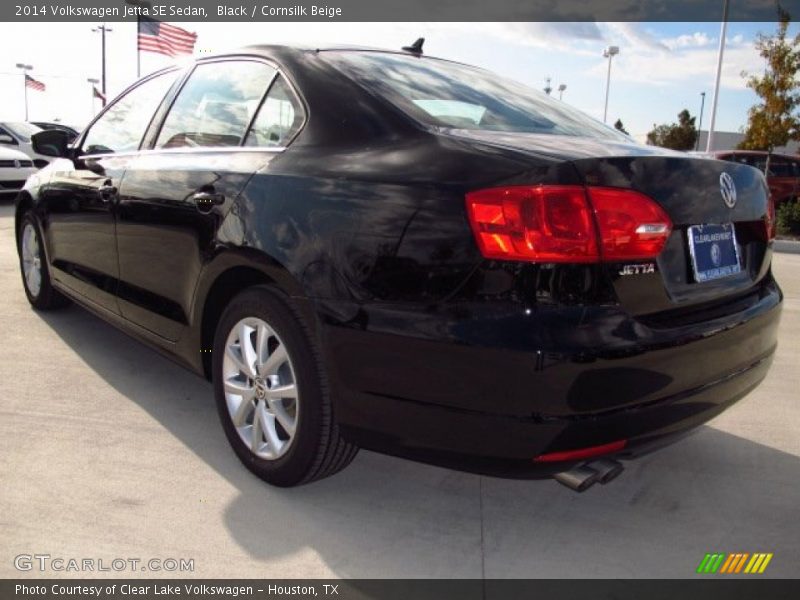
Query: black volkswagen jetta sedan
[378,249]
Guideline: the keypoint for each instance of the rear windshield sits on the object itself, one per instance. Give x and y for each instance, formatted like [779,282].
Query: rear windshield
[450,95]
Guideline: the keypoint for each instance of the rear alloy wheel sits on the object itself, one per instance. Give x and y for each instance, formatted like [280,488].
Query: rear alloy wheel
[33,266]
[260,389]
[271,392]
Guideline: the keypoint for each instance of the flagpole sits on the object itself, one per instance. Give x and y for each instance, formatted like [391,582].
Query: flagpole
[141,5]
[25,68]
[138,52]
[723,31]
[92,82]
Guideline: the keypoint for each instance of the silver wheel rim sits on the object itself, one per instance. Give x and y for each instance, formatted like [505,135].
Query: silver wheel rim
[31,260]
[260,388]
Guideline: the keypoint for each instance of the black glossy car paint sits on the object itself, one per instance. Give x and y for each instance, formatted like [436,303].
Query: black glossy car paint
[432,351]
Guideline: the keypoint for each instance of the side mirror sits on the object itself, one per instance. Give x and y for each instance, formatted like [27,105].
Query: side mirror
[51,142]
[7,139]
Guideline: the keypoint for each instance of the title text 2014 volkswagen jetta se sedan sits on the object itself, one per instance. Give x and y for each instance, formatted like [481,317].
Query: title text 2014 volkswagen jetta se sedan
[384,250]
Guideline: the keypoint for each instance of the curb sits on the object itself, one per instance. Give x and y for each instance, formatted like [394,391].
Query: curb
[786,246]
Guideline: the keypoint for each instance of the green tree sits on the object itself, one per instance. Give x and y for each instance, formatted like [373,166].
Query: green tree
[678,136]
[773,121]
[620,127]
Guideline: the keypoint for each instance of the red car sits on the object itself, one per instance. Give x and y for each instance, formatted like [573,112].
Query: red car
[783,178]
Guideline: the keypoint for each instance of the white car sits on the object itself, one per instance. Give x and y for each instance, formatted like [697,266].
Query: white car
[15,168]
[17,136]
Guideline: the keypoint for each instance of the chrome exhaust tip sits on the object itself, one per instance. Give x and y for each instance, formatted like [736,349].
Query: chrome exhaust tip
[578,479]
[607,469]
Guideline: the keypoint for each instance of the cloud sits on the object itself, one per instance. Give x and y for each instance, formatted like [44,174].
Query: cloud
[691,63]
[691,40]
[637,36]
[574,38]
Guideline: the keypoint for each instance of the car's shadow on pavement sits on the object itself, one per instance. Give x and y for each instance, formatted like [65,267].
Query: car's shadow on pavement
[386,517]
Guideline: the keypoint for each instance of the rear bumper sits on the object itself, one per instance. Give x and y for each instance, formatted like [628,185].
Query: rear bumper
[493,408]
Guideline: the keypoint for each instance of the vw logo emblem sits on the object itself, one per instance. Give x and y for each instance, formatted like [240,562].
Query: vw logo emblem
[728,190]
[716,254]
[261,388]
[16,164]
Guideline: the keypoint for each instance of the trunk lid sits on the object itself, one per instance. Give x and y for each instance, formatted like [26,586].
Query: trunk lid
[689,189]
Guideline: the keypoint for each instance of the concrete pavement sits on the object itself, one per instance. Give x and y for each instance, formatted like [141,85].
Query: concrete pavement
[108,450]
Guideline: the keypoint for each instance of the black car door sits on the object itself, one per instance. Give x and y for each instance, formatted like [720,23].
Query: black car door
[176,193]
[79,202]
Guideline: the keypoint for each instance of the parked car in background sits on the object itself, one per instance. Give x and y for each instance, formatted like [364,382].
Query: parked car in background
[15,168]
[73,133]
[783,178]
[16,135]
[377,249]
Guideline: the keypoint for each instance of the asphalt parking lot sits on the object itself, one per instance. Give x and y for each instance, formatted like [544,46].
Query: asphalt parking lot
[108,450]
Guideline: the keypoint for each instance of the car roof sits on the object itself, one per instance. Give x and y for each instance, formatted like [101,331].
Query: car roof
[279,51]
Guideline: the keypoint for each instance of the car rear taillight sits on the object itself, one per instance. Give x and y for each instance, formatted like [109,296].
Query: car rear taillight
[558,223]
[632,226]
[543,223]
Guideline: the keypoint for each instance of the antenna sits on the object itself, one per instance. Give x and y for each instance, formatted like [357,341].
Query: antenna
[416,47]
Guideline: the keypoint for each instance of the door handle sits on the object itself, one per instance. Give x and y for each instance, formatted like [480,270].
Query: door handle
[107,192]
[205,201]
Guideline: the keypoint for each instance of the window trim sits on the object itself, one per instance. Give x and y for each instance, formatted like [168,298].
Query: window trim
[82,138]
[279,72]
[278,75]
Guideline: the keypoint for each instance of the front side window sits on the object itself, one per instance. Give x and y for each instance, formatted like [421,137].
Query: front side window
[122,127]
[279,118]
[450,95]
[10,139]
[216,105]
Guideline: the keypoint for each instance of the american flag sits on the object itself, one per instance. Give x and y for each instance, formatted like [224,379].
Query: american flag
[33,83]
[155,36]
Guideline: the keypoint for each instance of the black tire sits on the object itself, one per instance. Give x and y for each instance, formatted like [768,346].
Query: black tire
[47,297]
[317,449]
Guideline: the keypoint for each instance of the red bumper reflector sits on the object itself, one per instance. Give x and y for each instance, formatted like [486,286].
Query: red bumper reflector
[582,453]
[770,221]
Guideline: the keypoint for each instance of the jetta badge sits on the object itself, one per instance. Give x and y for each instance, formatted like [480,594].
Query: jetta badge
[728,190]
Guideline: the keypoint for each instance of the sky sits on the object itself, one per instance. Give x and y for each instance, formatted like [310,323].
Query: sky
[662,68]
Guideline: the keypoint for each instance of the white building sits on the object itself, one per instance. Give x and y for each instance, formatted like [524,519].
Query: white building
[728,140]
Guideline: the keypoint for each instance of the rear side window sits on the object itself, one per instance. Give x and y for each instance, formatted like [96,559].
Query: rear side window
[216,105]
[122,126]
[444,94]
[278,119]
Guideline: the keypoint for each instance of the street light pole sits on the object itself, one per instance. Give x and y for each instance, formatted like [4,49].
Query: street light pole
[103,29]
[723,31]
[25,68]
[608,53]
[700,126]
